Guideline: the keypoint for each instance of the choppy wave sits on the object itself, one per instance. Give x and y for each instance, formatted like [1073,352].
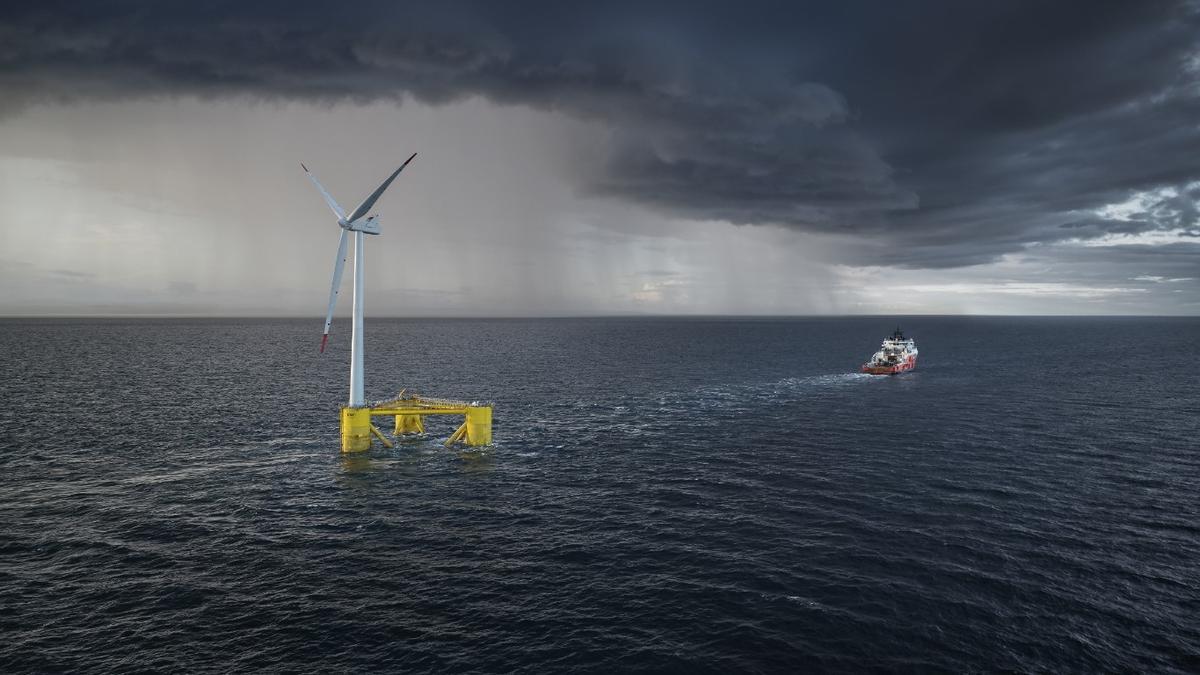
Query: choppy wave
[664,495]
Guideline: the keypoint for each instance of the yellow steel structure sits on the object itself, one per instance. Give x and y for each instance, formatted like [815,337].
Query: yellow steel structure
[410,411]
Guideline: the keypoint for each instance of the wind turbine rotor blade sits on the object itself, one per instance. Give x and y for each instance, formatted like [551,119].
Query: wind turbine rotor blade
[333,205]
[338,265]
[370,201]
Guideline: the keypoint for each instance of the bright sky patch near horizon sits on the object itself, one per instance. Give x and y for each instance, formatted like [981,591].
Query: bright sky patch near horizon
[625,159]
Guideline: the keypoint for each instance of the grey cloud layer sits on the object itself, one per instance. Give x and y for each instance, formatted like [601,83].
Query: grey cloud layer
[953,132]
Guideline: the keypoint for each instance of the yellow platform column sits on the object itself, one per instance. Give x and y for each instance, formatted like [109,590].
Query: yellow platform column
[356,429]
[410,424]
[479,425]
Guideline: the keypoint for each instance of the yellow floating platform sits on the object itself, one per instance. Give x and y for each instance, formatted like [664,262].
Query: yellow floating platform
[409,412]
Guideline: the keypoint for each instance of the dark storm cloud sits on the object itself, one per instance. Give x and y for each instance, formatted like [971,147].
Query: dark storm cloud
[937,133]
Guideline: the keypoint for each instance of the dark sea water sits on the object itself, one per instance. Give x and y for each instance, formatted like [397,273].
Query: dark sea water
[665,495]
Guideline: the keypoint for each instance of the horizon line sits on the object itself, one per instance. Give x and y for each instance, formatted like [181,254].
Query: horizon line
[470,317]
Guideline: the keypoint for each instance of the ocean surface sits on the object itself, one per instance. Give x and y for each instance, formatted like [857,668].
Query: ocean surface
[665,495]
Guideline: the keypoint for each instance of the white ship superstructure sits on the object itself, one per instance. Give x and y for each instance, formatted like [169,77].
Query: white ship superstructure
[897,355]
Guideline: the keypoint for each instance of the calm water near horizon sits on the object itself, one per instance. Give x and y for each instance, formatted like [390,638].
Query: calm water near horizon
[667,495]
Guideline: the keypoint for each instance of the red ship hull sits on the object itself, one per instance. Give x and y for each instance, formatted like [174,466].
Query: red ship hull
[907,364]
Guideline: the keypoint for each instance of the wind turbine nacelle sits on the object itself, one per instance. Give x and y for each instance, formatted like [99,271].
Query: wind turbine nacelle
[368,225]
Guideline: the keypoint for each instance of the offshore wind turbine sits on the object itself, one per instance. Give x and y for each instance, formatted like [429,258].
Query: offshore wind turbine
[360,224]
[409,410]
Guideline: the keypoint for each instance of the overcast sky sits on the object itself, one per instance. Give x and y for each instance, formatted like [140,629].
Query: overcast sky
[661,158]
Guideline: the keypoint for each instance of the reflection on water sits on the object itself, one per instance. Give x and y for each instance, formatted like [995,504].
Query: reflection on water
[411,456]
[356,462]
[477,460]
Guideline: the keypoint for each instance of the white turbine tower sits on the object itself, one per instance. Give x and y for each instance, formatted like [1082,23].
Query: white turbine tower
[359,223]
